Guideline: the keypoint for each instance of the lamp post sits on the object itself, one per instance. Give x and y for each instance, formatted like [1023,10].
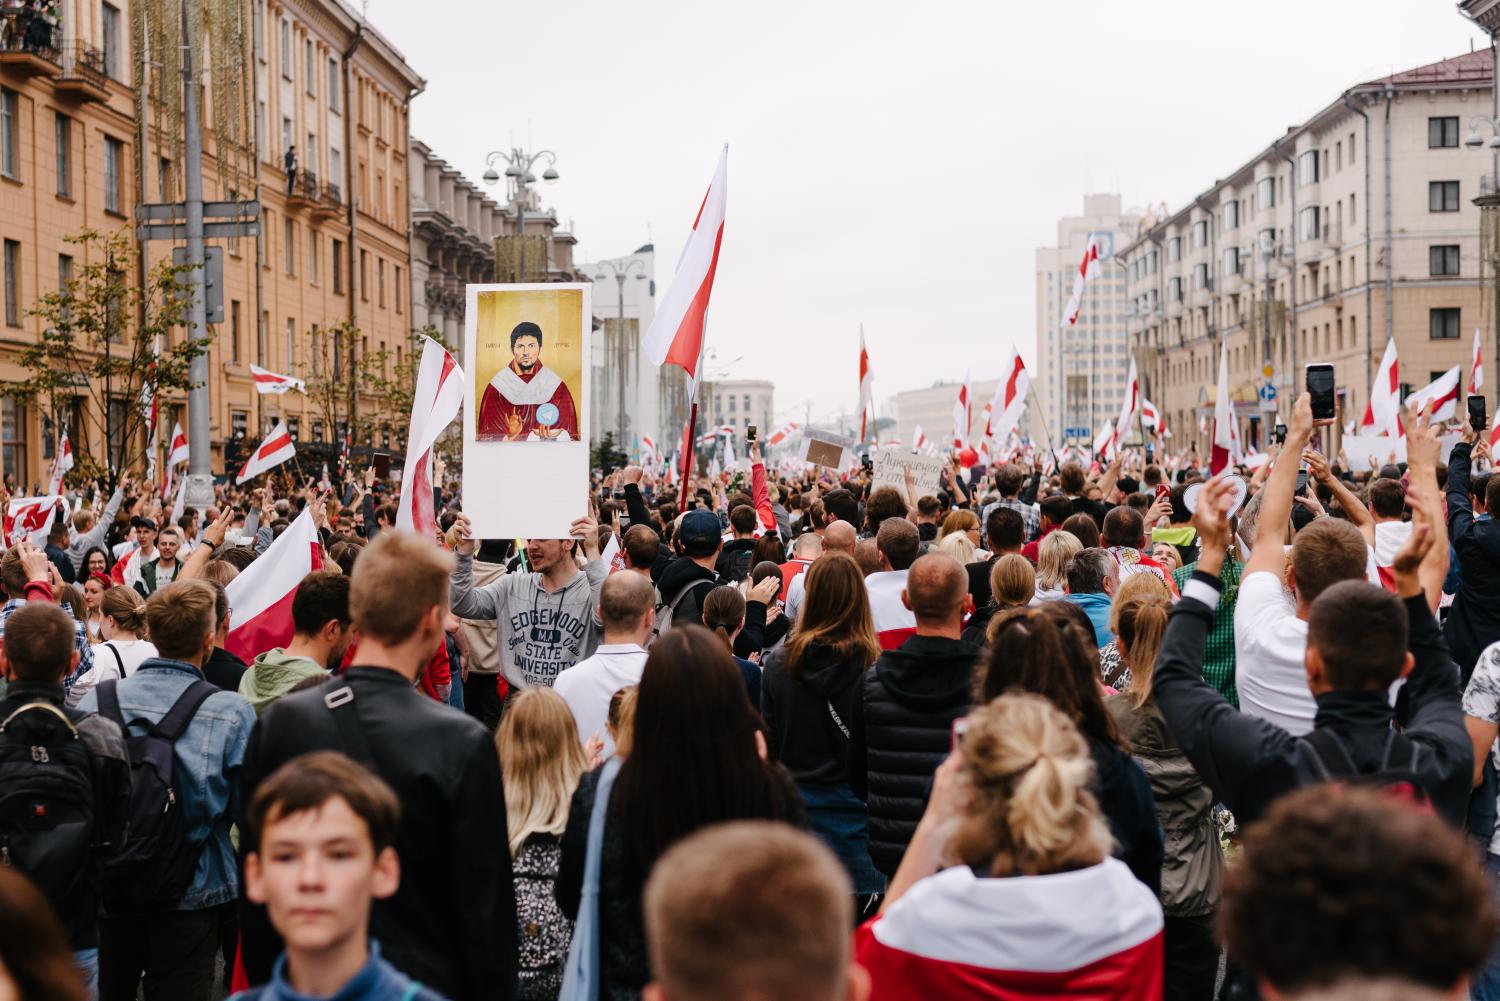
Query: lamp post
[518,164]
[622,355]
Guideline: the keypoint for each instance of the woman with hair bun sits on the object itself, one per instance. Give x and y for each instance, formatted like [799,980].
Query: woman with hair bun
[1008,888]
[125,648]
[724,616]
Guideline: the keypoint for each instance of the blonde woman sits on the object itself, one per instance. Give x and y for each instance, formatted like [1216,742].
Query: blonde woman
[1012,585]
[1114,670]
[1008,887]
[1192,865]
[1053,555]
[125,648]
[541,760]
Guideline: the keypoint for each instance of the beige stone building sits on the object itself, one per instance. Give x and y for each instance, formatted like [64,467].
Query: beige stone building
[738,404]
[932,408]
[1355,226]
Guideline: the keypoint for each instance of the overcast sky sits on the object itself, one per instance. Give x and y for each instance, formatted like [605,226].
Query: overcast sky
[890,163]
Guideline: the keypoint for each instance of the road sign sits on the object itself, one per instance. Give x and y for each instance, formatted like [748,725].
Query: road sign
[1267,397]
[1269,370]
[1077,433]
[213,280]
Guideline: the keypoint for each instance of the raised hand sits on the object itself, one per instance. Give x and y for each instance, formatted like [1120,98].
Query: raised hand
[460,540]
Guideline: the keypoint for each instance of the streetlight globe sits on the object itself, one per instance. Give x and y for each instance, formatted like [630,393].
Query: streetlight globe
[512,171]
[1495,142]
[530,177]
[550,175]
[601,276]
[491,176]
[1474,140]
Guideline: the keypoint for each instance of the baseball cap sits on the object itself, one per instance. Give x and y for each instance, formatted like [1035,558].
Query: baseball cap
[700,529]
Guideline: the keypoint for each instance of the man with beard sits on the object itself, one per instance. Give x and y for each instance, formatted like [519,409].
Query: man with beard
[526,400]
[320,618]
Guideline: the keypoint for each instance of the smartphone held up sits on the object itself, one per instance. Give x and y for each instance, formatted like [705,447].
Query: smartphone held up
[1320,386]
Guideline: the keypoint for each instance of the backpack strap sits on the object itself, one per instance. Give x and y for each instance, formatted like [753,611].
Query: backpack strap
[175,723]
[41,707]
[340,705]
[119,661]
[1323,742]
[109,702]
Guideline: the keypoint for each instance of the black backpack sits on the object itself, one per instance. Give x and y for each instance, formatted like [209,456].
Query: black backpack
[1322,757]
[155,865]
[48,829]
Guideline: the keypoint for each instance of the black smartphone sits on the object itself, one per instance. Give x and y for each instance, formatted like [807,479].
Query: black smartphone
[1301,483]
[866,462]
[1320,387]
[1150,452]
[750,434]
[1478,419]
[1280,433]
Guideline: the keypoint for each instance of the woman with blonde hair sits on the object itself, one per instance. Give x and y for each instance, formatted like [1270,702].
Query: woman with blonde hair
[959,537]
[1053,555]
[94,586]
[1012,859]
[541,761]
[1012,585]
[810,693]
[1192,865]
[1113,669]
[124,648]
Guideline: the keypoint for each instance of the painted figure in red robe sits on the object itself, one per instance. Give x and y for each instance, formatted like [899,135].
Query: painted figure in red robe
[526,400]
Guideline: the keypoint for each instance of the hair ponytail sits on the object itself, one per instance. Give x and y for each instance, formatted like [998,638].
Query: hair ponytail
[1142,626]
[723,612]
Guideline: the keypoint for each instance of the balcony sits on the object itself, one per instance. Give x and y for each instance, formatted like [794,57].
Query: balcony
[28,42]
[329,202]
[83,77]
[1333,296]
[302,193]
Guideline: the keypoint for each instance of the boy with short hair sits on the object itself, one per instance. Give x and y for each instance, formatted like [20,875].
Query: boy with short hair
[322,831]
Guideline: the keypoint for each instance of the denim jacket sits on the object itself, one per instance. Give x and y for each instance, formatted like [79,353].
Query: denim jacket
[208,763]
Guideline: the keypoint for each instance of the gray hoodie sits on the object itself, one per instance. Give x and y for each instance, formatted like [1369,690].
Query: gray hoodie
[541,633]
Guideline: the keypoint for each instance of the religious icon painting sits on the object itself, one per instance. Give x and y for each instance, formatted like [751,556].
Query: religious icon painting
[526,413]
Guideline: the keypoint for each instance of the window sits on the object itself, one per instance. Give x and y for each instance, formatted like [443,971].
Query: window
[1231,260]
[333,84]
[1442,133]
[294,428]
[1200,276]
[289,247]
[1442,196]
[398,295]
[1351,210]
[62,130]
[1351,149]
[310,66]
[13,438]
[747,403]
[287,138]
[286,48]
[164,178]
[1200,233]
[1174,290]
[1443,258]
[380,279]
[732,400]
[1307,168]
[1174,249]
[111,36]
[335,166]
[312,256]
[1231,215]
[12,283]
[364,275]
[10,134]
[291,343]
[239,423]
[234,330]
[1338,155]
[317,429]
[1442,324]
[1307,227]
[1151,263]
[1265,193]
[309,156]
[64,271]
[336,263]
[114,168]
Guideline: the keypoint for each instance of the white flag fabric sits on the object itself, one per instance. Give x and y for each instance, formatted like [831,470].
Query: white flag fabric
[1086,268]
[1441,394]
[267,381]
[963,416]
[1128,407]
[276,449]
[676,333]
[1383,411]
[30,518]
[438,398]
[866,385]
[1150,416]
[782,433]
[260,598]
[918,439]
[178,452]
[1104,440]
[1476,366]
[61,464]
[179,503]
[1010,396]
[1226,440]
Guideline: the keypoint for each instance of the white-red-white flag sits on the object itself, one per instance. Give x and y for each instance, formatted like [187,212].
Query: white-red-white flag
[1441,395]
[1128,407]
[866,385]
[267,381]
[1226,439]
[1104,441]
[438,398]
[963,416]
[1010,396]
[649,451]
[61,463]
[1086,268]
[178,451]
[1476,366]
[782,433]
[676,333]
[1495,430]
[277,448]
[1383,410]
[30,518]
[260,598]
[1150,416]
[153,429]
[918,439]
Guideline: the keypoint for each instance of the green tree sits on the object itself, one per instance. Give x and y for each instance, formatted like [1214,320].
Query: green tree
[105,347]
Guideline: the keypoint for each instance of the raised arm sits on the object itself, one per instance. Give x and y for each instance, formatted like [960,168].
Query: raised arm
[464,599]
[1422,449]
[758,491]
[1276,500]
[1359,515]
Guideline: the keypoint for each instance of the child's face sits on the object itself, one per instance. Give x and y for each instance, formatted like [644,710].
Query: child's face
[316,873]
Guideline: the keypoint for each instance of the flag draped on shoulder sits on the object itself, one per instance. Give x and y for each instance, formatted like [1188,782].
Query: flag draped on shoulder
[267,381]
[260,598]
[276,449]
[438,398]
[676,333]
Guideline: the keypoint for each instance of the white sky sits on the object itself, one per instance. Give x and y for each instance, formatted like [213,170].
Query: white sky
[890,163]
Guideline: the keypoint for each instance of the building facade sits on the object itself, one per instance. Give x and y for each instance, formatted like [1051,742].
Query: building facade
[453,229]
[931,408]
[1080,370]
[738,404]
[1355,227]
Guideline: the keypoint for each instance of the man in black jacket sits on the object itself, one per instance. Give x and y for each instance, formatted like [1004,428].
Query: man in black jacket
[1360,638]
[1005,531]
[1474,621]
[452,923]
[687,580]
[903,727]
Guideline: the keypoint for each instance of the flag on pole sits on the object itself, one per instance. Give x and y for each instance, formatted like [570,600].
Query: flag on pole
[178,451]
[1086,268]
[1441,395]
[434,405]
[267,381]
[649,452]
[61,463]
[782,433]
[1131,404]
[1150,416]
[1383,410]
[1104,441]
[1476,366]
[866,384]
[30,518]
[179,504]
[153,435]
[1226,440]
[1495,430]
[260,598]
[1010,396]
[963,416]
[272,452]
[676,333]
[918,439]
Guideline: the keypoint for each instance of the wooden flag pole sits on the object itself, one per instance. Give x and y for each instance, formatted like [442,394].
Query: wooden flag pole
[687,460]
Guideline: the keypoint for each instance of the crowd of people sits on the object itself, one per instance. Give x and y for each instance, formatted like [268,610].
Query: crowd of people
[1104,731]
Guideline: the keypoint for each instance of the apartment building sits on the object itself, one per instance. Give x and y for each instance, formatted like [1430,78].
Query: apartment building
[1353,227]
[931,408]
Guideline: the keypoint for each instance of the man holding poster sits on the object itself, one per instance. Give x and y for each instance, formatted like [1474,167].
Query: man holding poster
[526,400]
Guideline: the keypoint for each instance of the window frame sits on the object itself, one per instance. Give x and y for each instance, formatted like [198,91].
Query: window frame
[1441,315]
[1437,194]
[1444,260]
[1440,124]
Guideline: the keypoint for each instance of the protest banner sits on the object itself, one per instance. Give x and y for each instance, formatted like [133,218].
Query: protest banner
[526,409]
[1385,450]
[891,465]
[825,448]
